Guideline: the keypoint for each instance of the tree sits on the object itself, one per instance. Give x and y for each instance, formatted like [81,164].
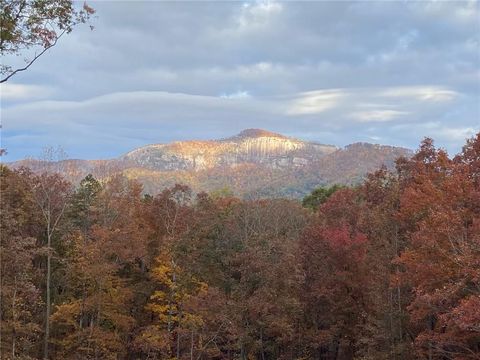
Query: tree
[245,251]
[333,254]
[83,204]
[386,270]
[35,25]
[439,204]
[319,196]
[21,301]
[174,289]
[51,194]
[107,247]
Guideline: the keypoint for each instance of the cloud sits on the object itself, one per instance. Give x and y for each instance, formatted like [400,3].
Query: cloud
[423,93]
[236,95]
[253,16]
[401,46]
[454,133]
[123,120]
[377,115]
[315,102]
[334,72]
[16,92]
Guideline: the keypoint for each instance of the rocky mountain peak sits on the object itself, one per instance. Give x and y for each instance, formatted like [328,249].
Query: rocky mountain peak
[256,133]
[250,146]
[248,163]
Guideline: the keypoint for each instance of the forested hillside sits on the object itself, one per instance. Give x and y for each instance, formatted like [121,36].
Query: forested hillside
[284,167]
[389,269]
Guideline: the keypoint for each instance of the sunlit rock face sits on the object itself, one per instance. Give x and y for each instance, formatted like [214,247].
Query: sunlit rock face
[253,164]
[251,146]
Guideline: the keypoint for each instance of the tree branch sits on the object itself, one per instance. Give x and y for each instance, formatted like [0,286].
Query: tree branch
[34,59]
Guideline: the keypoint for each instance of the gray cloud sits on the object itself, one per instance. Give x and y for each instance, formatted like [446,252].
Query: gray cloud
[336,72]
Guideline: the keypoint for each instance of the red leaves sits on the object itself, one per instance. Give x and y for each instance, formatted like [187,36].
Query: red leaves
[422,227]
[340,239]
[440,205]
[465,316]
[387,270]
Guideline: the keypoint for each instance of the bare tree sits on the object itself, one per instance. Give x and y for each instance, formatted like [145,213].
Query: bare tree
[51,192]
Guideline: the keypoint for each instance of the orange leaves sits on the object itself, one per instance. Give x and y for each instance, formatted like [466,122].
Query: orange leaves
[439,204]
[466,316]
[390,269]
[341,239]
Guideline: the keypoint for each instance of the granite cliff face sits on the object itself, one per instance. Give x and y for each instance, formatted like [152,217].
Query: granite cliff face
[253,163]
[252,146]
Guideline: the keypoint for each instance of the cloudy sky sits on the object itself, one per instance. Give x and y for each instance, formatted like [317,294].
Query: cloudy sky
[334,72]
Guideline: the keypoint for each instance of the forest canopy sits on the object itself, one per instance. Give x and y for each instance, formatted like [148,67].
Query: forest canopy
[389,269]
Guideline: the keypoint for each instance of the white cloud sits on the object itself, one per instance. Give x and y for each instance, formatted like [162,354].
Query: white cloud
[15,92]
[255,15]
[444,134]
[314,102]
[422,93]
[377,115]
[455,133]
[304,62]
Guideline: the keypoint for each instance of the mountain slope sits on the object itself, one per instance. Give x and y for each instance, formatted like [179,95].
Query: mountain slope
[250,146]
[253,163]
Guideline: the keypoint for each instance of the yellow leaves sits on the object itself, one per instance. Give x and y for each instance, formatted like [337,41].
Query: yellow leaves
[176,288]
[153,337]
[159,295]
[192,320]
[202,288]
[160,308]
[162,273]
[66,314]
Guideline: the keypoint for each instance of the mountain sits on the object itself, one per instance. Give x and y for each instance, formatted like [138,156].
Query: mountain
[253,163]
[251,146]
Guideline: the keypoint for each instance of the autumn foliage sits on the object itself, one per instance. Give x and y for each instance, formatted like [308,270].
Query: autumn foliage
[389,269]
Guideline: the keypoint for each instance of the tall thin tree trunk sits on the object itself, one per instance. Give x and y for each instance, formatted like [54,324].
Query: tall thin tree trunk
[400,316]
[14,317]
[49,271]
[392,331]
[191,345]
[178,345]
[170,311]
[1,298]
[84,283]
[261,343]
[430,345]
[399,291]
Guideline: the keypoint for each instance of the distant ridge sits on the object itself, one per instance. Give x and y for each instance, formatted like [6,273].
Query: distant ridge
[253,163]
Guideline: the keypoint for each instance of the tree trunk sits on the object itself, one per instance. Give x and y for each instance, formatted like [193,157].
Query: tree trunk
[431,323]
[49,270]
[14,317]
[393,352]
[261,343]
[178,345]
[191,345]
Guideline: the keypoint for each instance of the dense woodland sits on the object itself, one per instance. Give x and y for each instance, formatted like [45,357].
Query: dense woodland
[389,269]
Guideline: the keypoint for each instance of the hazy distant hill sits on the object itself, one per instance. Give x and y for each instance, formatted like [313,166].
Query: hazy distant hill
[254,163]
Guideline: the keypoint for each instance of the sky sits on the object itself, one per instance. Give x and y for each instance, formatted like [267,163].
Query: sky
[387,72]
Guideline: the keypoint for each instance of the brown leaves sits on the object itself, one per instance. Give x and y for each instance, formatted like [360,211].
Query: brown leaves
[387,270]
[437,204]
